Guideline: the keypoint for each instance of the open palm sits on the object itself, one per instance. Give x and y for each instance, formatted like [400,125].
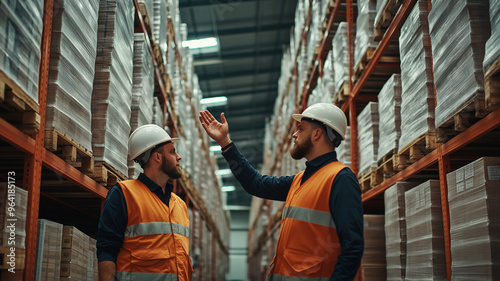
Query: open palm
[216,130]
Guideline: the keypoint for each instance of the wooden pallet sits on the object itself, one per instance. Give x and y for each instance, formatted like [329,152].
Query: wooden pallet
[492,87]
[465,116]
[20,255]
[388,13]
[69,150]
[17,107]
[365,181]
[391,57]
[417,149]
[106,175]
[384,171]
[342,95]
[329,10]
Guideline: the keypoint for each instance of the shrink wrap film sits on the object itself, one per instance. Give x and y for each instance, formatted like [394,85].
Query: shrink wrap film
[112,93]
[395,230]
[424,231]
[473,196]
[365,21]
[417,96]
[459,31]
[373,262]
[48,250]
[72,67]
[21,27]
[368,137]
[344,149]
[340,57]
[389,108]
[492,52]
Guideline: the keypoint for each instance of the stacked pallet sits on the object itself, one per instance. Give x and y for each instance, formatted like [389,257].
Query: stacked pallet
[491,62]
[48,251]
[417,96]
[13,208]
[142,92]
[425,258]
[72,62]
[158,117]
[341,63]
[20,43]
[395,230]
[459,31]
[112,93]
[344,149]
[389,108]
[160,26]
[365,38]
[473,197]
[373,263]
[368,138]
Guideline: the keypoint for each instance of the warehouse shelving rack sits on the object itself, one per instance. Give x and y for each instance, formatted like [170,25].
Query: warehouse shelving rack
[29,156]
[438,162]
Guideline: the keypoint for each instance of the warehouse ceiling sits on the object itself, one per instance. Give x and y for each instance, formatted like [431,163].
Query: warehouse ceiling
[251,34]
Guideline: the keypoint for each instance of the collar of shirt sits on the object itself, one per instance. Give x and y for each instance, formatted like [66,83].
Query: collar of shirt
[317,163]
[156,189]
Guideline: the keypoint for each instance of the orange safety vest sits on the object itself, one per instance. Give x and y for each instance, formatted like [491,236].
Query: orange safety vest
[156,242]
[308,245]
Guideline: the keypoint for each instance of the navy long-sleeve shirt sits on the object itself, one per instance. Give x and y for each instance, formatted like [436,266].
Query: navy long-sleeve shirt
[345,203]
[114,218]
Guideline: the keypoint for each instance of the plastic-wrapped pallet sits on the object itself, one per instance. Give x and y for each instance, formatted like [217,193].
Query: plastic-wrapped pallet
[425,258]
[48,250]
[74,254]
[473,195]
[160,26]
[340,57]
[326,84]
[417,96]
[368,137]
[20,40]
[72,62]
[112,93]
[395,230]
[158,118]
[373,262]
[142,93]
[492,52]
[365,37]
[19,197]
[389,108]
[459,31]
[344,149]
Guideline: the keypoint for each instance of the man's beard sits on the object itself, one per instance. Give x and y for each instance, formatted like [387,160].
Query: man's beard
[299,151]
[173,172]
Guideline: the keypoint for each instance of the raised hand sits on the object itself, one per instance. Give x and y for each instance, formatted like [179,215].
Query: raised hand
[218,131]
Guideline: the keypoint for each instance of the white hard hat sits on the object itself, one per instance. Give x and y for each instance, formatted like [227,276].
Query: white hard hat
[145,138]
[326,113]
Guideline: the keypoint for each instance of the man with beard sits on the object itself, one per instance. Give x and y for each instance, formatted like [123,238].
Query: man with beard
[321,235]
[143,233]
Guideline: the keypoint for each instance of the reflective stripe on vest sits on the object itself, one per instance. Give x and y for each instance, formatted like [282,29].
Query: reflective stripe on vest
[277,277]
[150,228]
[308,215]
[146,276]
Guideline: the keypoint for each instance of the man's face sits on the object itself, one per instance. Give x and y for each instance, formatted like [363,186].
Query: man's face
[303,143]
[170,161]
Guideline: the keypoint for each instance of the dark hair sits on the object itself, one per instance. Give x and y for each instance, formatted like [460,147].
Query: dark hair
[338,138]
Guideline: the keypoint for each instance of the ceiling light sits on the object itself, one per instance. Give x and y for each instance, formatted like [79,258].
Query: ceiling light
[215,148]
[228,188]
[214,101]
[200,43]
[223,172]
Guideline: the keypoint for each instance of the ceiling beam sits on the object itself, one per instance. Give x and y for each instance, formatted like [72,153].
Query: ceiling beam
[242,30]
[231,4]
[237,74]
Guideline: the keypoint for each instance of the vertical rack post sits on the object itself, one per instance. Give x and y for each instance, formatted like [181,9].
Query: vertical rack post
[33,162]
[444,169]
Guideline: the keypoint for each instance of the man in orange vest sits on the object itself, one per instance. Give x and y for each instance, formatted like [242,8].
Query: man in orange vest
[321,235]
[143,233]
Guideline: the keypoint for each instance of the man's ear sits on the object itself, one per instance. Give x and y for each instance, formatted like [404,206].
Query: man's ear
[317,134]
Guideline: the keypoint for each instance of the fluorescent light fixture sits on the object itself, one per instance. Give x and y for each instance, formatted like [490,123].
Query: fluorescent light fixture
[223,172]
[200,43]
[214,101]
[228,188]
